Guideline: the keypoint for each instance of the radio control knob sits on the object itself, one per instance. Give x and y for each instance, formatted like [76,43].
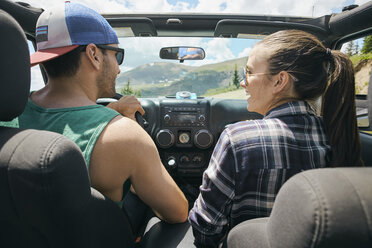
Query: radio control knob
[167,118]
[184,159]
[201,118]
[197,159]
[203,139]
[165,138]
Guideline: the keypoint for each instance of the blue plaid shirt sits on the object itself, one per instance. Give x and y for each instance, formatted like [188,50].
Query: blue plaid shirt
[251,161]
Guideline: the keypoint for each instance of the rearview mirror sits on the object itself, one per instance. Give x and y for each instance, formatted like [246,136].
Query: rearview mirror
[182,53]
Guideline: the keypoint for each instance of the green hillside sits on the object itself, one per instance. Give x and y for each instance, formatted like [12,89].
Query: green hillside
[161,79]
[153,73]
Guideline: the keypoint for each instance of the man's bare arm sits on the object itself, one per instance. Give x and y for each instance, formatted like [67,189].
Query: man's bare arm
[124,150]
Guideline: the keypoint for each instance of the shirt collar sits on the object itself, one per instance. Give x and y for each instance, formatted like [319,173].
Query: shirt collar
[290,108]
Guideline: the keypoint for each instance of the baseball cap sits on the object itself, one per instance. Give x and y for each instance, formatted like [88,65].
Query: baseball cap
[63,28]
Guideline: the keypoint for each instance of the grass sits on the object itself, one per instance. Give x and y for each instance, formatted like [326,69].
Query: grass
[216,91]
[360,57]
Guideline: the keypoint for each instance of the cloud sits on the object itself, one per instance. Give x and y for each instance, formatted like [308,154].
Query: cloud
[139,51]
[218,49]
[245,52]
[273,7]
[37,81]
[101,6]
[360,2]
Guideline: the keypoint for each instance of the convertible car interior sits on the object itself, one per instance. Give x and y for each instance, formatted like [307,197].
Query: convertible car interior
[46,198]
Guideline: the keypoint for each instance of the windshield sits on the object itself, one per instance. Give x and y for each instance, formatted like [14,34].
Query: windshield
[145,74]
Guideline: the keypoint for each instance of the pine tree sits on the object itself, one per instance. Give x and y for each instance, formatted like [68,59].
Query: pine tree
[356,48]
[127,90]
[236,80]
[349,48]
[367,46]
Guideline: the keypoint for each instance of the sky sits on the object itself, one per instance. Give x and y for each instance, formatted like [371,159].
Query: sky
[217,50]
[277,7]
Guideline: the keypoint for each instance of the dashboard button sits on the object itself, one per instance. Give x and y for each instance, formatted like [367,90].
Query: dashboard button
[197,159]
[171,162]
[167,118]
[203,139]
[201,118]
[165,138]
[184,159]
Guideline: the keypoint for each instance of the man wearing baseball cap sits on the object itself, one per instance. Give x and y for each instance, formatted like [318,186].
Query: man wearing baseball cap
[79,51]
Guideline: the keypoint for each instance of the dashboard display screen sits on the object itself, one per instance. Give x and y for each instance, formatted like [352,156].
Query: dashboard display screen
[186,118]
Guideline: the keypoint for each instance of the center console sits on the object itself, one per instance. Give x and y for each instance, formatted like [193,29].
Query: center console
[184,139]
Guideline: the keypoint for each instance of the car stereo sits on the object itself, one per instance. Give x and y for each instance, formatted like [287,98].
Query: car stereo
[184,125]
[183,116]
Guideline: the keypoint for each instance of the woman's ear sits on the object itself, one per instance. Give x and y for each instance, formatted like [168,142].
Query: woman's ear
[282,82]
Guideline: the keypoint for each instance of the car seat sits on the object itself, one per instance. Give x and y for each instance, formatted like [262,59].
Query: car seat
[329,207]
[45,194]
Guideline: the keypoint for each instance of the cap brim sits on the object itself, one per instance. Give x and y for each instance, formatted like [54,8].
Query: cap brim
[48,54]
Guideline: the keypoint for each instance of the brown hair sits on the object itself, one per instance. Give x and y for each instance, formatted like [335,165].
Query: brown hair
[66,65]
[321,72]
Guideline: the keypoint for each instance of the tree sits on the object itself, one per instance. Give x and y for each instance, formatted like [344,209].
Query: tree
[356,48]
[127,90]
[349,48]
[236,80]
[367,46]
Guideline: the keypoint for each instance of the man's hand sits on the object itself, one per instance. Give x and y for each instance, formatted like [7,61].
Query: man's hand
[127,106]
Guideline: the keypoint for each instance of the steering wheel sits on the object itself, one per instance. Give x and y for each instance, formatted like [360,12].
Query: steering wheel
[137,115]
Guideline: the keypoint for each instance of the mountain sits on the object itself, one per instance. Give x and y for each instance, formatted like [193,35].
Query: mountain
[153,73]
[228,65]
[167,78]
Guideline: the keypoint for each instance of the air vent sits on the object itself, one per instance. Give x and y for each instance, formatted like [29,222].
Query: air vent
[144,34]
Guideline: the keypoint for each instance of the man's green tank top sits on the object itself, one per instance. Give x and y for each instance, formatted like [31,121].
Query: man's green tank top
[83,125]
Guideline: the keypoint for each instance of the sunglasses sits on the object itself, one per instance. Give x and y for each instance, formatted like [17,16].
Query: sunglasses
[119,52]
[246,75]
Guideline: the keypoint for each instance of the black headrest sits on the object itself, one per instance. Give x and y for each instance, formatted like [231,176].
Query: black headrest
[46,199]
[319,208]
[14,68]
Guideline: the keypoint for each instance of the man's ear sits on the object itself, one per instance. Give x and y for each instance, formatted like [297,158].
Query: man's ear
[94,56]
[282,82]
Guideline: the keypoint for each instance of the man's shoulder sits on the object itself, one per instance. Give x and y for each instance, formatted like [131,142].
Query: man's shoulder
[123,131]
[123,141]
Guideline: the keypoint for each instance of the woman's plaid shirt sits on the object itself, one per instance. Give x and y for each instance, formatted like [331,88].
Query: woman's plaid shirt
[251,161]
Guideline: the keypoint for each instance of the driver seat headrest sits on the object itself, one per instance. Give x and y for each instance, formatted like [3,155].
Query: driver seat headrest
[15,66]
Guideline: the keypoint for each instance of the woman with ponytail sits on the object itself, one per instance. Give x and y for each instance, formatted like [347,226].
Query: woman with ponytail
[252,159]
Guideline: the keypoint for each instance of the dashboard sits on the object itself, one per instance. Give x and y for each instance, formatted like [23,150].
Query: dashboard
[185,131]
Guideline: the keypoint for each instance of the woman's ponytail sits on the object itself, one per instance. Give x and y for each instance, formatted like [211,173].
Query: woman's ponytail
[338,110]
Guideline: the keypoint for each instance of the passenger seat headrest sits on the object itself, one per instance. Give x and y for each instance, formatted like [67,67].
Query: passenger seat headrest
[14,68]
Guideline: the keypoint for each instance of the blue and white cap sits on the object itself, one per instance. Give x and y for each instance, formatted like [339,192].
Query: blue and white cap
[63,28]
